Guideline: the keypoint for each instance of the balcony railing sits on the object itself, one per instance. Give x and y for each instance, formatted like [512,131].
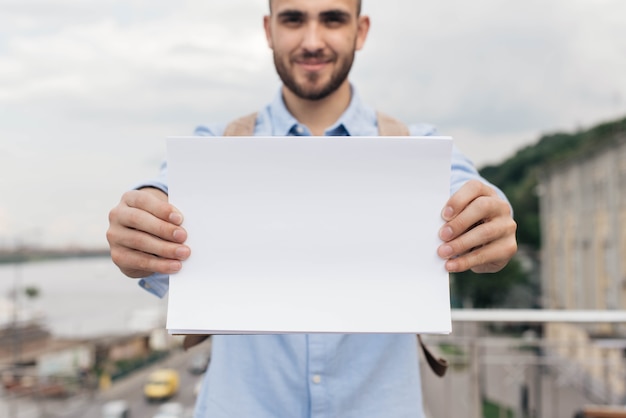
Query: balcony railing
[529,363]
[503,364]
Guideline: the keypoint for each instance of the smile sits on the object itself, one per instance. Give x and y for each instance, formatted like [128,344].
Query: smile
[312,65]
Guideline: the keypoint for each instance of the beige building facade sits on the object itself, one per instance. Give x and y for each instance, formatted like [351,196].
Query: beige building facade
[583,259]
[583,221]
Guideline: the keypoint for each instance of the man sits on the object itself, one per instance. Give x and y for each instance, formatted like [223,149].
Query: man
[365,376]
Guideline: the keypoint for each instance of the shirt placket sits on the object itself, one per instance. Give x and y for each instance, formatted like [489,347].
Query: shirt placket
[318,382]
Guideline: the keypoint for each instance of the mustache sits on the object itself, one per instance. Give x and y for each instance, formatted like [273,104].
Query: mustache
[317,55]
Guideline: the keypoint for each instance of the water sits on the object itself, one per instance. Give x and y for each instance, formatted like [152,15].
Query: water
[81,297]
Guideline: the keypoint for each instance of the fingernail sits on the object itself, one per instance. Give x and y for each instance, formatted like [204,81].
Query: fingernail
[179,235]
[445,251]
[447,213]
[182,253]
[176,218]
[175,266]
[445,233]
[451,265]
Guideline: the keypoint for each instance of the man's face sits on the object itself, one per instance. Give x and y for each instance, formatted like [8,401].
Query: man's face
[314,42]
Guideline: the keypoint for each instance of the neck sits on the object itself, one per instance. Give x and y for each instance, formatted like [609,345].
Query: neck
[318,115]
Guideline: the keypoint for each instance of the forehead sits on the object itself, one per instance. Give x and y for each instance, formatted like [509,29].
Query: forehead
[314,6]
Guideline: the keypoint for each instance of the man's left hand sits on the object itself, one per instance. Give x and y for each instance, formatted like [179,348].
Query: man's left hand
[479,233]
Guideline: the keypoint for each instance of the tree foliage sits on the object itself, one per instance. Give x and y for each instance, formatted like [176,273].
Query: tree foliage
[480,291]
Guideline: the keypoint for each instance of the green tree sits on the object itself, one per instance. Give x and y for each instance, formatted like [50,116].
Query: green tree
[469,289]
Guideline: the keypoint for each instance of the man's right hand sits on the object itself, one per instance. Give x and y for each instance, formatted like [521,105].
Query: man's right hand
[145,235]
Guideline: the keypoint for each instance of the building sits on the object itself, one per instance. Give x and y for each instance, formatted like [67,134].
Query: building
[583,228]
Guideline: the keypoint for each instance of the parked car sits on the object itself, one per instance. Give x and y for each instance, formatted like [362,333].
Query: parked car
[116,409]
[170,410]
[161,384]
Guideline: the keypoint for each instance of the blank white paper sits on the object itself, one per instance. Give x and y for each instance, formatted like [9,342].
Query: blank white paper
[310,234]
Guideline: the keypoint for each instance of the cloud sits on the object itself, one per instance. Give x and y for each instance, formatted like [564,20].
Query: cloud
[501,71]
[89,91]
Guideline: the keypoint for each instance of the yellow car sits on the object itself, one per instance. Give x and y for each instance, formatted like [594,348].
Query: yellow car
[161,384]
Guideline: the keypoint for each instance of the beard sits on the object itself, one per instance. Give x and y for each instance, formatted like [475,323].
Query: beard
[310,90]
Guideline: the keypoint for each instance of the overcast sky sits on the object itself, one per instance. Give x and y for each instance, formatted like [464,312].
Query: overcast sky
[90,89]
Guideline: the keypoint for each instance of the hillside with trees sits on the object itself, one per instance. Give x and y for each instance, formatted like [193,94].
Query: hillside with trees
[517,177]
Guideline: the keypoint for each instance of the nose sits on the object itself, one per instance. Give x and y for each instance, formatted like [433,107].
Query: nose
[313,38]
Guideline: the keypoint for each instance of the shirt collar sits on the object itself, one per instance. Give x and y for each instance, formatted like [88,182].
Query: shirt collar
[357,120]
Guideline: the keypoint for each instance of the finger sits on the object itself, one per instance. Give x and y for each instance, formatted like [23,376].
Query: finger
[142,220]
[489,258]
[480,210]
[152,201]
[138,264]
[147,243]
[478,235]
[464,196]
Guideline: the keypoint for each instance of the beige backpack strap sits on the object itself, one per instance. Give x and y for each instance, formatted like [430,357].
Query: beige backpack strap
[388,126]
[243,126]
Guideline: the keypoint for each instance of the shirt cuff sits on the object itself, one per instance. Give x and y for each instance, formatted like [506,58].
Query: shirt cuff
[156,283]
[156,184]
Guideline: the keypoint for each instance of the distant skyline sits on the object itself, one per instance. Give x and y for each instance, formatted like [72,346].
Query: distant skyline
[90,90]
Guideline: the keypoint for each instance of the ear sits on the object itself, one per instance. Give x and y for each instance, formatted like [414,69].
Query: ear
[267,22]
[362,31]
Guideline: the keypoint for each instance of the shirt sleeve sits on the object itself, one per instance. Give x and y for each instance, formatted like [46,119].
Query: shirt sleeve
[157,284]
[463,170]
[159,182]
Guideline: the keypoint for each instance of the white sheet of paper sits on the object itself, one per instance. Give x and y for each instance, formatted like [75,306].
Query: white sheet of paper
[310,234]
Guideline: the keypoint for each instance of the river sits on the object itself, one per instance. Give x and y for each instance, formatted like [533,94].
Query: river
[82,297]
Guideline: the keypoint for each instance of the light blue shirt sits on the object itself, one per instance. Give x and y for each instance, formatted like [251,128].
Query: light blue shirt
[313,375]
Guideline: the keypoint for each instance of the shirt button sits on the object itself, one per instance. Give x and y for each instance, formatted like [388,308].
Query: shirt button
[299,129]
[316,379]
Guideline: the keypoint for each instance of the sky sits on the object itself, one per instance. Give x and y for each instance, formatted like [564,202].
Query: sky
[90,90]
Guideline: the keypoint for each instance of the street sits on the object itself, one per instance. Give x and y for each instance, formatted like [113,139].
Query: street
[130,389]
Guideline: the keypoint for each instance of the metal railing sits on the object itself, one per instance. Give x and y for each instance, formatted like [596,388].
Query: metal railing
[527,363]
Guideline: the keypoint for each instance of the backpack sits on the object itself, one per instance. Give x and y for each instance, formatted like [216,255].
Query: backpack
[387,126]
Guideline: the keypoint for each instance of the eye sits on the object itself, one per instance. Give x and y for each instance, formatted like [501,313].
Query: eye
[291,18]
[335,18]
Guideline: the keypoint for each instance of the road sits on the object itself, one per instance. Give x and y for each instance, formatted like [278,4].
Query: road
[130,389]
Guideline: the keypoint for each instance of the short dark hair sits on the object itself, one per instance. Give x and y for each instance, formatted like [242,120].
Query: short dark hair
[358,7]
